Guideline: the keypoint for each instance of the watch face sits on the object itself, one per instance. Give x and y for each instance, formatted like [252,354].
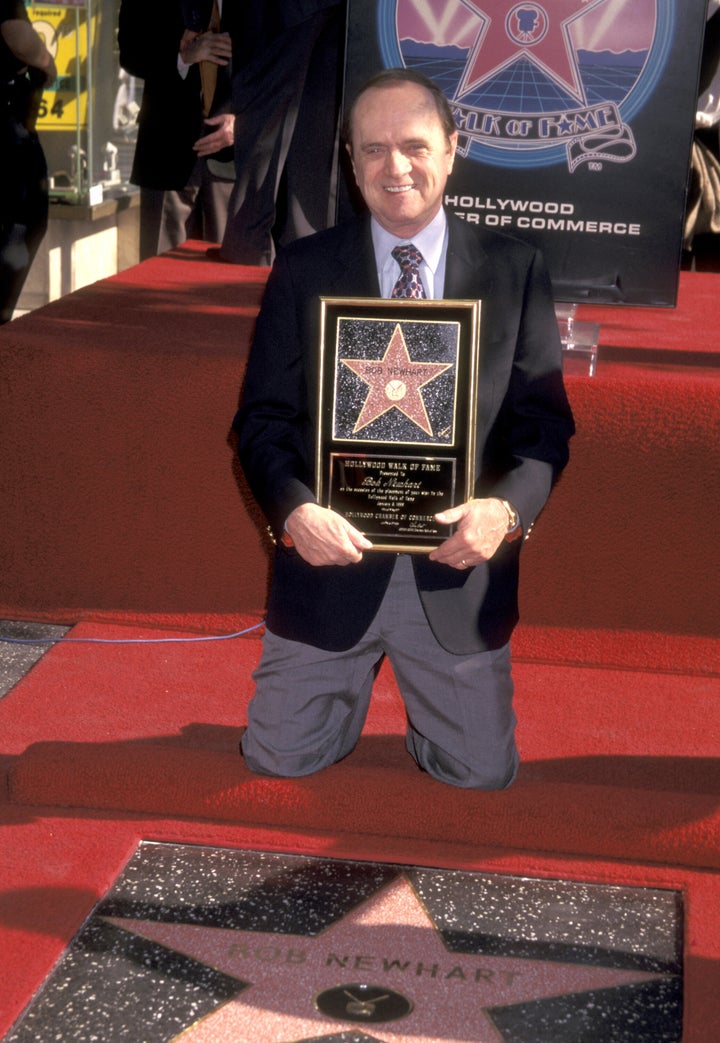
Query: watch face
[363,1003]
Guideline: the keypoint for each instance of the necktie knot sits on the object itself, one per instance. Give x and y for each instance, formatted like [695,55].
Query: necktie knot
[409,283]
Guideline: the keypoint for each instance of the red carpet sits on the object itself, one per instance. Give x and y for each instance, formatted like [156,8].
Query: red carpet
[619,782]
[120,498]
[154,729]
[120,502]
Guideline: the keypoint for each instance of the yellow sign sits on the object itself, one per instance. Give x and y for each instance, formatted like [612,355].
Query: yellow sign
[64,30]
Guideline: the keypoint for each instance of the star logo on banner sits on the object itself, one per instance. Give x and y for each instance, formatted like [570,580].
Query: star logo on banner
[395,382]
[539,32]
[387,965]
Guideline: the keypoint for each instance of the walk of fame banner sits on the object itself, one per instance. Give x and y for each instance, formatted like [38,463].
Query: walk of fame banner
[397,415]
[575,122]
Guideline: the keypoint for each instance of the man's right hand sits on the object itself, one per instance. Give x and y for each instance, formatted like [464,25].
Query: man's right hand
[323,537]
[205,47]
[221,137]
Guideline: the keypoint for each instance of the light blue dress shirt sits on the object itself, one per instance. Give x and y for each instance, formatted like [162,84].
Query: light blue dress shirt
[432,244]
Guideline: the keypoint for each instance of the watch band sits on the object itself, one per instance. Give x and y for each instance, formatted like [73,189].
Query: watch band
[514,528]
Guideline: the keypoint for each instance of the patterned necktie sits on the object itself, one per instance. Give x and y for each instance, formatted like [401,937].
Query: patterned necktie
[409,283]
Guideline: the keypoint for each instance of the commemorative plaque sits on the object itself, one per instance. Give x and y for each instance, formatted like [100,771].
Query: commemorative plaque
[397,415]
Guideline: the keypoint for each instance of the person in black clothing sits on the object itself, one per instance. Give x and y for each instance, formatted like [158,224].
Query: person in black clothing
[26,66]
[286,85]
[183,156]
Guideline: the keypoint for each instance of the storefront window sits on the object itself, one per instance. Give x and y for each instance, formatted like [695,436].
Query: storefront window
[87,119]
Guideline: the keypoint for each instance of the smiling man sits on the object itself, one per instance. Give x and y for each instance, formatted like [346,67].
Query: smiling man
[402,147]
[337,606]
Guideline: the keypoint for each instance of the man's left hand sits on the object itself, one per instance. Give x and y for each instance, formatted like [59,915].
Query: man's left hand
[205,47]
[218,139]
[481,526]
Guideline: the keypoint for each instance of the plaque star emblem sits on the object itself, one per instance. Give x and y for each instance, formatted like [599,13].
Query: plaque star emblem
[395,382]
[539,32]
[387,945]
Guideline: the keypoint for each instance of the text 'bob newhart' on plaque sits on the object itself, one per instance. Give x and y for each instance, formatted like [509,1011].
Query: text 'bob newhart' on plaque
[397,415]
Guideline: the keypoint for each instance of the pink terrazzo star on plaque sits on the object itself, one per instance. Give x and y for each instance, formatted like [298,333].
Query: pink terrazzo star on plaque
[395,381]
[387,945]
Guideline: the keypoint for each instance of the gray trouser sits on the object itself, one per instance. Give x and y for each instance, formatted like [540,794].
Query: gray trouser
[310,705]
[197,211]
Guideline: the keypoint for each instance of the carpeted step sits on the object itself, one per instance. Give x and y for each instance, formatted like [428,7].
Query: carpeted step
[378,791]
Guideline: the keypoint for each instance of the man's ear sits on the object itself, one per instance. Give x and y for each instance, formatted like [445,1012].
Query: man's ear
[452,141]
[348,149]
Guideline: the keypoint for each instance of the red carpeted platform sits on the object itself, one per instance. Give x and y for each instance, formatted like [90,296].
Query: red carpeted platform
[120,503]
[120,497]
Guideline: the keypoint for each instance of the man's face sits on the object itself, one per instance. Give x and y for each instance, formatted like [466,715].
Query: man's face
[401,156]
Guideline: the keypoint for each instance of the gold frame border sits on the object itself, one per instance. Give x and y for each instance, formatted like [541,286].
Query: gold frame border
[378,308]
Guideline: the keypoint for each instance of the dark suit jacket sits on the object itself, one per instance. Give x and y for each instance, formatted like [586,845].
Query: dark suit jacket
[524,423]
[171,119]
[256,25]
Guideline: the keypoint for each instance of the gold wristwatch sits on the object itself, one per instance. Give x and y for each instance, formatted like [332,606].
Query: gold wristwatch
[514,527]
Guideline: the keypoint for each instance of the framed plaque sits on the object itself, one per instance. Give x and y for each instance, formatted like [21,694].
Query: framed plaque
[397,415]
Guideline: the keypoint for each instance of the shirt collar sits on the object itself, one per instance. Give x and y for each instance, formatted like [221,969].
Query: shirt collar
[429,241]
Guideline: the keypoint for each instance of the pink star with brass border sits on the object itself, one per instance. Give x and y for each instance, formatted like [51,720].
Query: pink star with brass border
[395,382]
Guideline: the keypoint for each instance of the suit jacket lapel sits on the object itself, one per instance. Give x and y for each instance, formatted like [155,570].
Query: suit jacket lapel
[354,272]
[468,271]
